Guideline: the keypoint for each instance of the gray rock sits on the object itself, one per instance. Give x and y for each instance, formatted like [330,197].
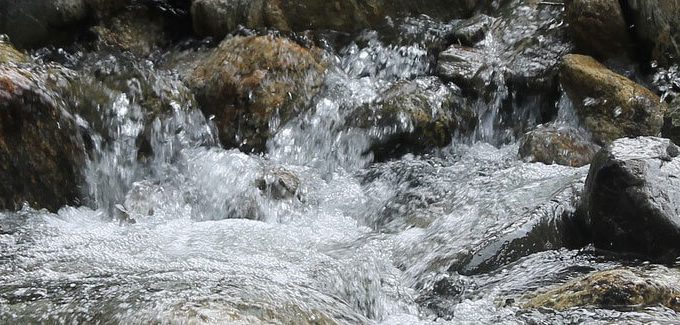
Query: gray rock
[461,65]
[279,184]
[560,145]
[632,198]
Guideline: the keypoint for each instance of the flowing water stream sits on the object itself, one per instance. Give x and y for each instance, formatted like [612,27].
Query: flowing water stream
[397,242]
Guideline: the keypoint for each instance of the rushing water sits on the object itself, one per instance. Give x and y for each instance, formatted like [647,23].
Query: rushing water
[399,242]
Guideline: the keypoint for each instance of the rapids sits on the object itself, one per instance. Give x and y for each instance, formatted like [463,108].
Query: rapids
[406,241]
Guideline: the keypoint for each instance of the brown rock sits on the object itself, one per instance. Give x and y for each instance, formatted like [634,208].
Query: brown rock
[248,82]
[598,27]
[41,152]
[557,145]
[610,106]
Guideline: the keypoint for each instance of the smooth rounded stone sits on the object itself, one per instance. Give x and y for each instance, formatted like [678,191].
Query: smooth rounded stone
[41,151]
[562,145]
[598,27]
[632,198]
[34,23]
[620,288]
[413,117]
[252,85]
[279,184]
[657,25]
[610,106]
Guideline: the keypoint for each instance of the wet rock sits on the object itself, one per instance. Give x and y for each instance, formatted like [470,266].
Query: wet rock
[137,30]
[632,197]
[280,184]
[620,288]
[219,17]
[461,65]
[33,23]
[253,84]
[657,26]
[562,145]
[473,30]
[548,226]
[671,128]
[414,116]
[41,152]
[598,27]
[610,106]
[8,54]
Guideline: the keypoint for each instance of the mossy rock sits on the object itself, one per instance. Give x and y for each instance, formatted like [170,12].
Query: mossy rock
[253,84]
[620,288]
[610,105]
[8,54]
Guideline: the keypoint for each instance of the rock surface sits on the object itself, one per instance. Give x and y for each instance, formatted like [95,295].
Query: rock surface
[41,152]
[414,116]
[610,106]
[219,17]
[598,27]
[560,145]
[620,288]
[253,84]
[658,27]
[632,198]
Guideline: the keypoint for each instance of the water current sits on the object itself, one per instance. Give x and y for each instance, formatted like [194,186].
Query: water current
[406,241]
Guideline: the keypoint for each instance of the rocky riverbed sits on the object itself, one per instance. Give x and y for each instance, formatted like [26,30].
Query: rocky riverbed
[339,162]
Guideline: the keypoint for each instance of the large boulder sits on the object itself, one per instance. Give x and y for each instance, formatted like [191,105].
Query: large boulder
[598,27]
[220,17]
[610,105]
[32,23]
[414,116]
[41,151]
[555,144]
[632,198]
[657,26]
[617,288]
[251,85]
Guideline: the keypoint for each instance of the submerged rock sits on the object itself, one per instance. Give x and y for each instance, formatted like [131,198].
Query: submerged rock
[280,184]
[251,85]
[610,106]
[414,116]
[560,145]
[620,288]
[657,26]
[598,27]
[138,30]
[632,197]
[41,152]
